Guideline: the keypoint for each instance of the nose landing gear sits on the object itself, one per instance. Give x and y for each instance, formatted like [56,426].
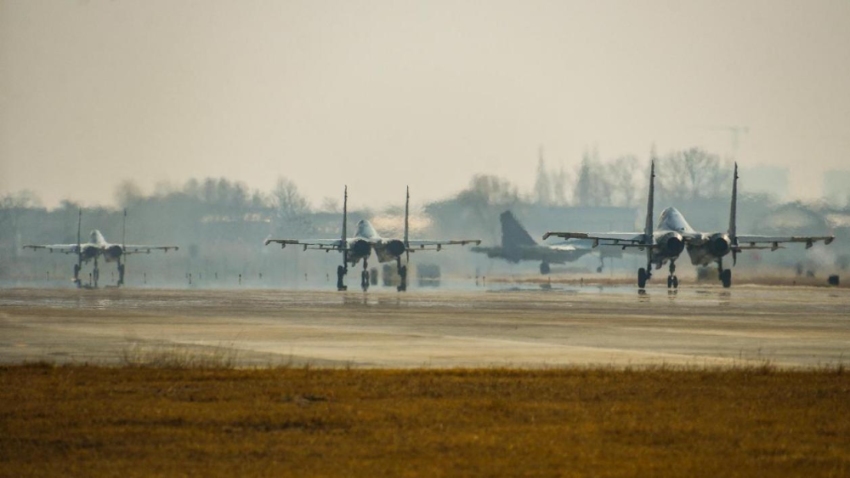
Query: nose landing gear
[364,276]
[672,280]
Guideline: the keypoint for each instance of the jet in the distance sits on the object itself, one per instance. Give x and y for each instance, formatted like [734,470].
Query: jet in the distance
[674,234]
[365,240]
[98,247]
[517,245]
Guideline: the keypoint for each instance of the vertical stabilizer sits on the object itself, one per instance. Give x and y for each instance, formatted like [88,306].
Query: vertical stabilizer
[124,231]
[733,217]
[407,223]
[406,218]
[79,227]
[513,234]
[344,243]
[648,230]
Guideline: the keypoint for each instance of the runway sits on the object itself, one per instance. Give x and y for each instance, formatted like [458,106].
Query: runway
[583,326]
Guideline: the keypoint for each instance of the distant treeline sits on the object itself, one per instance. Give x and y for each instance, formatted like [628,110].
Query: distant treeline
[220,224]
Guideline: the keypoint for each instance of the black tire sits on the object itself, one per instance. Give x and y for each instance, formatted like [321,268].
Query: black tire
[726,278]
[669,282]
[544,268]
[599,269]
[641,278]
[675,282]
[364,280]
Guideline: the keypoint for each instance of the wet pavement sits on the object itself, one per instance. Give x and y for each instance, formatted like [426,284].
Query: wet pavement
[505,326]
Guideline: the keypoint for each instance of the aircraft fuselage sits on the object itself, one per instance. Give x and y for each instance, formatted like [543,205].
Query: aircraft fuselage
[367,239]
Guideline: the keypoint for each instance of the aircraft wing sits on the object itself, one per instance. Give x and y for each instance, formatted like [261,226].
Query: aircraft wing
[319,244]
[133,249]
[625,239]
[63,248]
[417,245]
[773,242]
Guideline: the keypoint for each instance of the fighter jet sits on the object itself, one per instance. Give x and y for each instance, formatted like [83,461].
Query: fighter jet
[365,240]
[674,234]
[517,245]
[96,248]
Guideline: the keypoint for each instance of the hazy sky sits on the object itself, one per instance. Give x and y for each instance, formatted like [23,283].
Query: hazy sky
[377,95]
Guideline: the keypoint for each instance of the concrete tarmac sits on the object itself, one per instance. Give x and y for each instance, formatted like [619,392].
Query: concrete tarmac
[613,326]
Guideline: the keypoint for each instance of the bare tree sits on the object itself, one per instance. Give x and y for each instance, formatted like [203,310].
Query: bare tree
[692,174]
[330,204]
[593,187]
[128,193]
[292,209]
[542,185]
[488,189]
[623,175]
[559,186]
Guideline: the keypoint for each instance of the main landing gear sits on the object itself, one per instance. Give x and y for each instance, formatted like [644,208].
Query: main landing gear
[544,268]
[120,273]
[672,280]
[725,275]
[77,275]
[402,275]
[364,276]
[341,271]
[643,276]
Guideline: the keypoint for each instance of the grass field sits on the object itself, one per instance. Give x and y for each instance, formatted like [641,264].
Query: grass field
[220,421]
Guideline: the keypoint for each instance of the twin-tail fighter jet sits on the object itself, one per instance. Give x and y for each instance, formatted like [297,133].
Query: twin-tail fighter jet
[365,240]
[674,234]
[96,248]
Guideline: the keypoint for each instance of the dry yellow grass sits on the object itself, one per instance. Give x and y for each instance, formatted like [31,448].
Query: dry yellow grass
[186,421]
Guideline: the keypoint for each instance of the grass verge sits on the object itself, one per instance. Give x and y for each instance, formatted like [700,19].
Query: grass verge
[220,421]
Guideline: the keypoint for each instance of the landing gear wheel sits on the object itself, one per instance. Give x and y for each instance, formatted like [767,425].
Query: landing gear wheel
[544,268]
[675,282]
[95,276]
[642,278]
[120,275]
[364,280]
[77,275]
[669,282]
[726,278]
[340,273]
[402,274]
[599,269]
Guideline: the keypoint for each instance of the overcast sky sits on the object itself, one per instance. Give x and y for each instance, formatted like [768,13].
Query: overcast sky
[379,94]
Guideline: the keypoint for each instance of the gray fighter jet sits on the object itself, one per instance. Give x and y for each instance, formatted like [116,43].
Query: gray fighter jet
[517,245]
[98,247]
[674,234]
[365,240]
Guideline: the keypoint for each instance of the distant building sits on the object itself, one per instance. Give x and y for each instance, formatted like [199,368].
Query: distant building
[836,186]
[770,180]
